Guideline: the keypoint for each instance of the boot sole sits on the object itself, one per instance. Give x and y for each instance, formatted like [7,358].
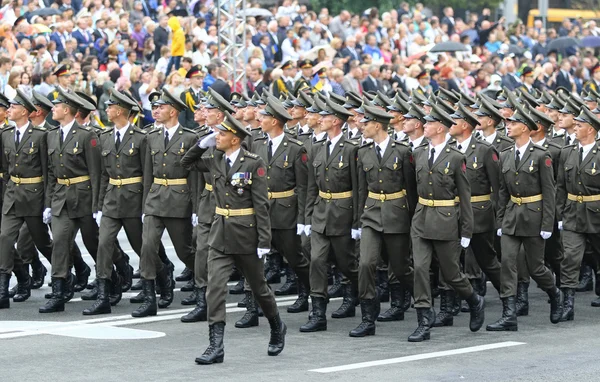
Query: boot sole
[245,326]
[21,299]
[95,313]
[344,316]
[370,333]
[509,329]
[321,329]
[427,337]
[61,309]
[186,321]
[143,315]
[202,362]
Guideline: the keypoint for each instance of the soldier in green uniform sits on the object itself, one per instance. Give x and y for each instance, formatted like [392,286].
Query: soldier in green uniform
[528,80]
[397,109]
[306,68]
[594,81]
[303,102]
[525,217]
[25,161]
[424,87]
[168,184]
[387,198]
[191,97]
[72,192]
[240,234]
[566,122]
[488,118]
[285,84]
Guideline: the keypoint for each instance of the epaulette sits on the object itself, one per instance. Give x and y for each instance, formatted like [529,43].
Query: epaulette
[153,131]
[482,141]
[574,146]
[259,138]
[505,138]
[352,142]
[53,128]
[509,148]
[553,144]
[403,143]
[368,145]
[86,128]
[149,127]
[189,130]
[41,128]
[8,127]
[538,147]
[138,130]
[452,148]
[293,140]
[107,131]
[251,155]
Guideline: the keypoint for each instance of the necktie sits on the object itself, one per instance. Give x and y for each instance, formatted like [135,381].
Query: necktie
[166,138]
[227,165]
[431,158]
[378,153]
[328,149]
[18,139]
[580,155]
[118,141]
[314,139]
[411,144]
[568,141]
[270,151]
[517,159]
[349,134]
[396,137]
[62,137]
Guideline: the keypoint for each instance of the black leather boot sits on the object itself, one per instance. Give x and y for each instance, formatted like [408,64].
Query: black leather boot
[215,352]
[555,305]
[277,340]
[200,312]
[383,288]
[250,318]
[238,288]
[83,276]
[148,307]
[407,300]
[456,305]
[235,274]
[426,318]
[290,286]
[395,312]
[476,284]
[508,321]
[38,273]
[273,275]
[116,289]
[125,272]
[586,278]
[336,289]
[92,294]
[317,321]
[4,297]
[568,313]
[367,326]
[477,305]
[192,299]
[445,316]
[57,302]
[348,307]
[186,275]
[136,274]
[139,298]
[189,286]
[522,303]
[301,304]
[482,290]
[102,304]
[243,302]
[167,286]
[23,284]
[69,291]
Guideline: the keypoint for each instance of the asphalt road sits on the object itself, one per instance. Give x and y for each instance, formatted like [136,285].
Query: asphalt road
[117,347]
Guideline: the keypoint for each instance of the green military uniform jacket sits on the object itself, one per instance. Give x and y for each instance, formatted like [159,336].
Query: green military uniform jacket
[336,174]
[173,201]
[303,136]
[395,173]
[287,170]
[501,142]
[579,180]
[206,201]
[27,160]
[238,235]
[533,176]
[125,201]
[78,156]
[186,117]
[446,180]
[554,149]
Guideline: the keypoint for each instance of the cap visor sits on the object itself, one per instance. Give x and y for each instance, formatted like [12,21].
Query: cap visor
[364,120]
[429,118]
[579,119]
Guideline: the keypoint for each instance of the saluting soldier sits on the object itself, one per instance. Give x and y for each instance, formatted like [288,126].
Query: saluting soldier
[528,80]
[72,192]
[387,199]
[578,194]
[191,97]
[240,234]
[444,201]
[525,216]
[594,82]
[332,215]
[25,162]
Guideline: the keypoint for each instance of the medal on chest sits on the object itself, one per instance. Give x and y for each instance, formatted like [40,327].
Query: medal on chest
[285,161]
[395,163]
[31,148]
[593,168]
[475,162]
[241,179]
[76,148]
[447,168]
[131,149]
[341,164]
[531,166]
[182,148]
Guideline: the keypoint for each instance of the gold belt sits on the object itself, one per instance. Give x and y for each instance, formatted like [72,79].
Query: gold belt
[36,180]
[170,182]
[518,200]
[439,203]
[125,181]
[281,194]
[70,181]
[240,212]
[208,187]
[384,197]
[583,198]
[335,195]
[481,198]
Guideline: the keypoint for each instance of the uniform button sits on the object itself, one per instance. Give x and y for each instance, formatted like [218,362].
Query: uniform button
[327,179]
[164,175]
[62,165]
[517,183]
[60,155]
[326,168]
[118,166]
[164,164]
[17,165]
[430,194]
[165,154]
[380,170]
[517,173]
[380,181]
[269,166]
[268,177]
[17,154]
[117,155]
[579,182]
[430,183]
[227,194]
[430,172]
[226,205]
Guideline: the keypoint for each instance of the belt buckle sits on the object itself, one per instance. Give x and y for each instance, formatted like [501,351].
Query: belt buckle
[382,197]
[67,182]
[519,201]
[579,199]
[119,182]
[328,195]
[270,194]
[430,203]
[227,212]
[17,180]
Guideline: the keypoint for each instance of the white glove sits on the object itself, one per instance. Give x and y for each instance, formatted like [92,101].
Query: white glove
[209,141]
[98,216]
[194,220]
[47,216]
[356,233]
[464,242]
[143,215]
[499,232]
[545,235]
[261,252]
[307,229]
[299,229]
[560,226]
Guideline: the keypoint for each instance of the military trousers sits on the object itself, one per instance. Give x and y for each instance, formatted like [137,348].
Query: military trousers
[485,257]
[343,248]
[471,267]
[286,242]
[387,248]
[11,229]
[201,258]
[64,230]
[180,232]
[553,255]
[574,244]
[108,252]
[26,247]
[534,257]
[219,270]
[448,254]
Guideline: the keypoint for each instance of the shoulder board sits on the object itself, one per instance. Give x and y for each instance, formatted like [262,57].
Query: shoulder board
[86,128]
[422,146]
[149,127]
[539,148]
[505,138]
[453,148]
[250,155]
[53,128]
[107,131]
[260,138]
[7,128]
[352,142]
[293,140]
[570,147]
[553,144]
[367,146]
[153,131]
[403,143]
[508,149]
[189,130]
[138,130]
[40,128]
[482,142]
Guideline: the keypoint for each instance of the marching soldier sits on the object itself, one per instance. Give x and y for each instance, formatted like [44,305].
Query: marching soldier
[71,194]
[397,109]
[332,215]
[191,97]
[387,198]
[240,234]
[591,99]
[169,185]
[414,123]
[552,110]
[299,112]
[525,217]
[441,183]
[25,161]
[488,118]
[566,122]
